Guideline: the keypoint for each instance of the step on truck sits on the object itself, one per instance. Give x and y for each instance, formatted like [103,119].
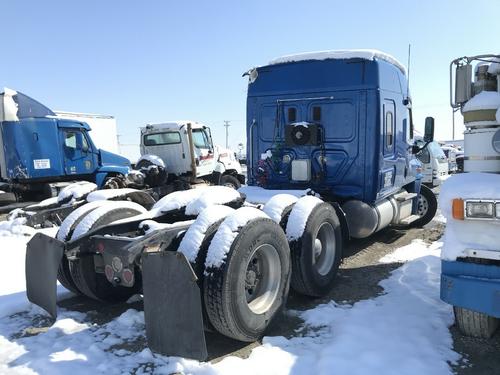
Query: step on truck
[470,276]
[335,125]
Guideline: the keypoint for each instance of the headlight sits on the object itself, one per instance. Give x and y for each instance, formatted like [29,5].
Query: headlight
[498,210]
[480,210]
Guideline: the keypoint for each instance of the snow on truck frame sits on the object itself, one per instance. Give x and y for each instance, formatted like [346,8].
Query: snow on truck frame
[227,261]
[470,279]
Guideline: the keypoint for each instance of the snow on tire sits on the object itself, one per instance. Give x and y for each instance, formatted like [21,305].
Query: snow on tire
[194,245]
[475,324]
[279,208]
[246,291]
[87,280]
[316,252]
[64,234]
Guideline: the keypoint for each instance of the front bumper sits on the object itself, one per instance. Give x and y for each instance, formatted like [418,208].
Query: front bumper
[472,286]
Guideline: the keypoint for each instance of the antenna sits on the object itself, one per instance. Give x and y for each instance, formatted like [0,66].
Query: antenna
[408,83]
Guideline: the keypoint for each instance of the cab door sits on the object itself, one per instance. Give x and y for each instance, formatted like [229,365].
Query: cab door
[78,156]
[204,152]
[388,170]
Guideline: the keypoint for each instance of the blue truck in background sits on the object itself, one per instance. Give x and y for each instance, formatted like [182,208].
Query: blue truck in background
[339,122]
[41,153]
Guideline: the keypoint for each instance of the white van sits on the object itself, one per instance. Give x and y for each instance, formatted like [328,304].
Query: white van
[435,164]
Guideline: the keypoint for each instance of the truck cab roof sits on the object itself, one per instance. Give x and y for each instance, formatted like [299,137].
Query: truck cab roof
[15,105]
[171,125]
[364,54]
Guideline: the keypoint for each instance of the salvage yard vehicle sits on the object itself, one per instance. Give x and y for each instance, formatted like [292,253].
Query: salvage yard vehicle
[335,124]
[435,164]
[186,147]
[47,157]
[470,278]
[40,153]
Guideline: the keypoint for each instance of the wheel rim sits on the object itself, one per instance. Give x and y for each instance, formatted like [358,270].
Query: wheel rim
[423,206]
[262,278]
[324,249]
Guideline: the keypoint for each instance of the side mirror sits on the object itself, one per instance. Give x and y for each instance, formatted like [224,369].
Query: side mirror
[463,84]
[429,129]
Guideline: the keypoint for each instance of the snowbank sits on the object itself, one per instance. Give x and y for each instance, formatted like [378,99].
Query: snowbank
[258,195]
[227,232]
[468,234]
[365,54]
[402,331]
[12,280]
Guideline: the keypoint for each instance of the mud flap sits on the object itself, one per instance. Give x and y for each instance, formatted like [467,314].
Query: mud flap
[43,255]
[172,306]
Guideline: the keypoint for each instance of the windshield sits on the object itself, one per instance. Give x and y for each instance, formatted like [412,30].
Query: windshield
[201,139]
[436,150]
[166,138]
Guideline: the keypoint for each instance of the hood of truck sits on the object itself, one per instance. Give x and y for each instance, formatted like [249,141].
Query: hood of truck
[108,158]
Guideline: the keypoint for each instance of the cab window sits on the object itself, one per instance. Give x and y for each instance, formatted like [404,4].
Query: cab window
[200,139]
[70,140]
[166,138]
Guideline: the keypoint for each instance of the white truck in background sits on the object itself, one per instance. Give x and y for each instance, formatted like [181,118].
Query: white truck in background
[434,163]
[104,131]
[186,149]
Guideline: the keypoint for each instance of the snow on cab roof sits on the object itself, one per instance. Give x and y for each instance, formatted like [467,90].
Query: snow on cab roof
[365,54]
[174,124]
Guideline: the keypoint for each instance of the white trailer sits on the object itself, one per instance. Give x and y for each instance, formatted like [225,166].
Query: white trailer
[104,133]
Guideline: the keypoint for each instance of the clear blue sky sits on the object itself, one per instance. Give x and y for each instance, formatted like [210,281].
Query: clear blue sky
[151,61]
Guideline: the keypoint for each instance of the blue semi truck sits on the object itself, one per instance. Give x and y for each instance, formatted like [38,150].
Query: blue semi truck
[41,153]
[337,123]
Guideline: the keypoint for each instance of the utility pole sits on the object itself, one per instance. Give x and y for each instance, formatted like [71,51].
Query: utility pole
[226,124]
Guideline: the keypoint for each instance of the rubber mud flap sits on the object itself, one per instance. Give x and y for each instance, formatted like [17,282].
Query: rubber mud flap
[172,306]
[43,255]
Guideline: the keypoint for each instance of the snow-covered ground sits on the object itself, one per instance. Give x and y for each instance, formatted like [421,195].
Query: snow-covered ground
[403,331]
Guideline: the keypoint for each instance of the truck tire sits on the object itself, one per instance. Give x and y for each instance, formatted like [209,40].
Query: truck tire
[475,324]
[95,285]
[426,207]
[230,181]
[316,256]
[64,234]
[247,291]
[65,278]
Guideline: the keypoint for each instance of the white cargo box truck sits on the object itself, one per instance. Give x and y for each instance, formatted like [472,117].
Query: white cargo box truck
[104,133]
